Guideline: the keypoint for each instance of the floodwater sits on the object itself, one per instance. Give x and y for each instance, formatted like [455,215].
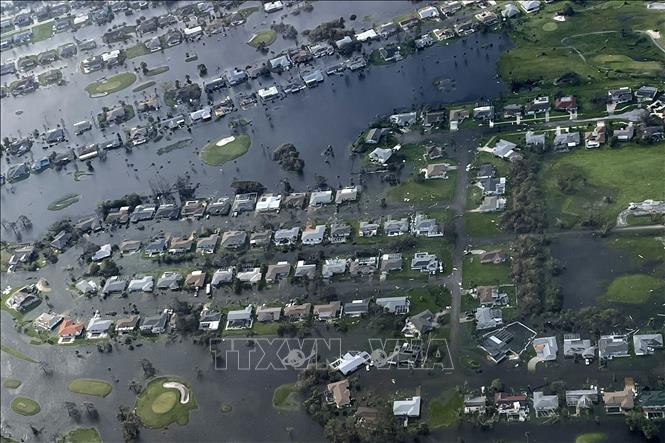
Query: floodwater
[306,119]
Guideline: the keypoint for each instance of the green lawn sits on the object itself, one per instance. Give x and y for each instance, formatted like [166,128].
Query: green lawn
[143,86]
[42,31]
[425,191]
[482,224]
[11,383]
[112,84]
[136,51]
[286,397]
[214,155]
[265,38]
[607,180]
[649,248]
[433,298]
[157,71]
[591,437]
[14,353]
[476,274]
[633,289]
[25,406]
[64,202]
[81,435]
[445,411]
[151,404]
[174,146]
[99,388]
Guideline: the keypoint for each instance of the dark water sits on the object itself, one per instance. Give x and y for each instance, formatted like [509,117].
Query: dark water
[332,113]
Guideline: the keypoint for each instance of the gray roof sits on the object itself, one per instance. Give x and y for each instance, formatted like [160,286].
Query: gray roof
[422,322]
[313,235]
[114,284]
[277,271]
[222,276]
[287,235]
[391,262]
[396,226]
[233,239]
[646,343]
[169,280]
[535,139]
[144,284]
[391,304]
[357,307]
[155,246]
[542,402]
[574,345]
[567,139]
[610,346]
[487,318]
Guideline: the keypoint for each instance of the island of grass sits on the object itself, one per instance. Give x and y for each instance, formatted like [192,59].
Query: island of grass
[158,406]
[11,383]
[99,388]
[81,435]
[156,71]
[445,410]
[225,408]
[228,148]
[64,202]
[15,353]
[110,85]
[263,38]
[286,397]
[591,437]
[634,289]
[25,406]
[174,146]
[143,86]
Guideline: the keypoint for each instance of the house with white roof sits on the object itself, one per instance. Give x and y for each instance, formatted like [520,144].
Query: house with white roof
[350,361]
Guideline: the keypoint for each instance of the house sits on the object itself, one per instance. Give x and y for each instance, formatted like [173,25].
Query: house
[295,200]
[207,245]
[625,134]
[465,27]
[209,320]
[103,252]
[408,23]
[69,330]
[407,408]
[192,33]
[195,279]
[428,12]
[138,135]
[646,344]
[142,213]
[181,244]
[305,270]
[339,393]
[573,346]
[114,284]
[425,262]
[646,94]
[347,194]
[443,33]
[327,311]
[488,318]
[545,404]
[156,324]
[363,266]
[313,236]
[393,228]
[403,119]
[546,348]
[154,44]
[425,226]
[172,38]
[97,327]
[156,246]
[221,206]
[582,399]
[241,319]
[89,224]
[286,237]
[566,103]
[652,134]
[512,111]
[22,300]
[23,254]
[169,280]
[321,49]
[597,137]
[653,404]
[320,198]
[504,149]
[424,41]
[374,136]
[244,203]
[298,312]
[250,275]
[513,407]
[533,139]
[333,266]
[418,325]
[433,118]
[368,229]
[566,140]
[18,172]
[268,202]
[273,6]
[236,77]
[391,262]
[265,314]
[408,354]
[394,305]
[347,40]
[537,106]
[260,238]
[128,324]
[493,257]
[350,361]
[339,232]
[620,402]
[490,295]
[169,211]
[492,186]
[487,18]
[92,64]
[620,95]
[277,271]
[87,286]
[529,6]
[54,136]
[221,276]
[233,239]
[193,209]
[436,170]
[281,63]
[356,308]
[380,155]
[387,29]
[364,36]
[612,346]
[510,11]
[144,284]
[484,113]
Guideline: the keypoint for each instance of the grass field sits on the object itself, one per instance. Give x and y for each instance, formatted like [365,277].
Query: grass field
[482,224]
[433,298]
[265,38]
[25,406]
[477,274]
[608,180]
[99,388]
[444,411]
[112,84]
[64,202]
[591,437]
[174,146]
[286,397]
[157,410]
[81,435]
[426,191]
[214,155]
[634,289]
[11,383]
[650,249]
[136,51]
[156,71]
[143,86]
[15,353]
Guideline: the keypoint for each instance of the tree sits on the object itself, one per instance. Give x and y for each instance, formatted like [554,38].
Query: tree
[108,268]
[203,70]
[568,10]
[149,370]
[497,385]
